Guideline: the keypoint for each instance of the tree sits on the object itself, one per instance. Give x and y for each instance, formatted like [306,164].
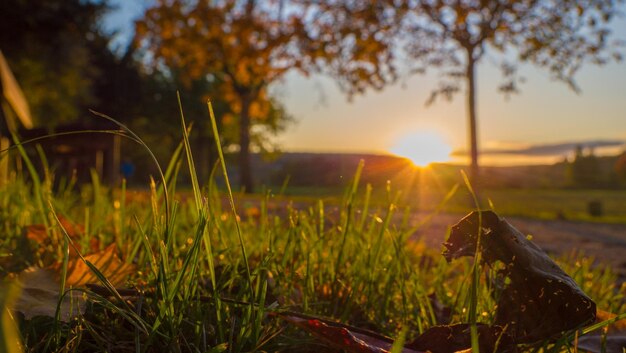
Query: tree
[47,46]
[619,168]
[454,35]
[585,170]
[242,46]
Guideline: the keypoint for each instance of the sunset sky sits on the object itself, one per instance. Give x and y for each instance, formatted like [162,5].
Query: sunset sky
[527,125]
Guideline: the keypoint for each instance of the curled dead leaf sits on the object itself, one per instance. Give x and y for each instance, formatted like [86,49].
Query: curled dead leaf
[39,295]
[106,261]
[39,288]
[39,234]
[351,339]
[541,301]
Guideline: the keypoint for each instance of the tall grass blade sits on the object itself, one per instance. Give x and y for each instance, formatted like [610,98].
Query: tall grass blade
[348,219]
[472,315]
[63,279]
[231,200]
[37,189]
[10,338]
[192,167]
[138,139]
[398,343]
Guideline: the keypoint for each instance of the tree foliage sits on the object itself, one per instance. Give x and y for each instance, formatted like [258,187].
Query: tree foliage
[559,36]
[47,46]
[241,47]
[354,41]
[453,36]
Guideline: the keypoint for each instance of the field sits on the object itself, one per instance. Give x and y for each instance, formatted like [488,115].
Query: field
[206,270]
[553,204]
[547,204]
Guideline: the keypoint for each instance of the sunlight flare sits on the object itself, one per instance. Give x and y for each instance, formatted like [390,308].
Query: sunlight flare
[422,148]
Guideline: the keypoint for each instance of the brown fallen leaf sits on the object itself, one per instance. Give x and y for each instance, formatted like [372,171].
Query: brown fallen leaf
[351,339]
[39,295]
[106,261]
[39,234]
[40,287]
[541,301]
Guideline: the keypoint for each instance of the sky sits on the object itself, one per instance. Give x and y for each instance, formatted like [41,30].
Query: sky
[545,115]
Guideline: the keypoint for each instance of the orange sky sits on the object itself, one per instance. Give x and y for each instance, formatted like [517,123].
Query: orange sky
[545,112]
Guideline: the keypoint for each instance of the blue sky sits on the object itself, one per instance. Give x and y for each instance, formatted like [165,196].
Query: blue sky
[546,112]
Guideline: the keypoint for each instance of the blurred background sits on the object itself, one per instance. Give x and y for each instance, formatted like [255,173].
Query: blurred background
[527,97]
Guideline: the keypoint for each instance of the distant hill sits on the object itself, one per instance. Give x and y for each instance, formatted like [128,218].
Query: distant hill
[337,169]
[329,169]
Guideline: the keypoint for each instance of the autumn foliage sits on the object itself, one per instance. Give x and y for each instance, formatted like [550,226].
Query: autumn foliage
[242,47]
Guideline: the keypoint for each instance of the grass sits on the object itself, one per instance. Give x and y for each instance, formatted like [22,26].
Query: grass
[207,276]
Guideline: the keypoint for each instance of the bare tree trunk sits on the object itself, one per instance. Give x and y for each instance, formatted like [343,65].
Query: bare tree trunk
[471,115]
[245,170]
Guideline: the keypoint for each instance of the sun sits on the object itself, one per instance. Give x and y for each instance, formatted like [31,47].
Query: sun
[422,148]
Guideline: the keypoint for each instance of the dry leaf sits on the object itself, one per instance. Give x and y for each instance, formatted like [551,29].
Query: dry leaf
[541,300]
[106,261]
[351,339]
[39,234]
[40,287]
[39,295]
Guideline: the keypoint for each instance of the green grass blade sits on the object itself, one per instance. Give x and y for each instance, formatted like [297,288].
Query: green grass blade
[231,200]
[192,167]
[472,315]
[348,219]
[10,338]
[138,139]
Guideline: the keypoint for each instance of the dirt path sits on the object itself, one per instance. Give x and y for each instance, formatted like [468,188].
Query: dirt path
[605,242]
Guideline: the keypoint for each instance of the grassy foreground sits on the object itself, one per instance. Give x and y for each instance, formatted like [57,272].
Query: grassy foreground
[207,278]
